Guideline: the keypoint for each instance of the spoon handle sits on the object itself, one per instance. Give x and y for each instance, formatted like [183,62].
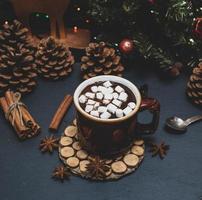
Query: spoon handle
[193,119]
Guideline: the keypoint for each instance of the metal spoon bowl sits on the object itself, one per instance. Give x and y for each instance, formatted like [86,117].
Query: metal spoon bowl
[180,125]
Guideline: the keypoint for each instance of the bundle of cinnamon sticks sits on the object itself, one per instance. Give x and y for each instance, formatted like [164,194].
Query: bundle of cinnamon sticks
[18,115]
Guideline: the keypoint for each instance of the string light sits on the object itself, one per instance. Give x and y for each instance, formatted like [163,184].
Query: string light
[87,21]
[6,22]
[78,9]
[75,29]
[47,16]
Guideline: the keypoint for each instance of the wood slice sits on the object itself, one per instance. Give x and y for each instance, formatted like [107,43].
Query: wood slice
[137,150]
[71,131]
[72,162]
[131,160]
[65,141]
[76,158]
[119,167]
[67,152]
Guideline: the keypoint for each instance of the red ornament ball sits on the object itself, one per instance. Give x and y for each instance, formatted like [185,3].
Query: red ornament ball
[198,27]
[126,46]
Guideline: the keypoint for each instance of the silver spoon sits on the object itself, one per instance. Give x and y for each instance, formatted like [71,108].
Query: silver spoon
[178,124]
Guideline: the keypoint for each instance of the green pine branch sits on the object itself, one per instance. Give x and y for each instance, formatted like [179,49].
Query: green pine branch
[150,51]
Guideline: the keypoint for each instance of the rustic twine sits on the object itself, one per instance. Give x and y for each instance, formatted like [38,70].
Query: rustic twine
[15,108]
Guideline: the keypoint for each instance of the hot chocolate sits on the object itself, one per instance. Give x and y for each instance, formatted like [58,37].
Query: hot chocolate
[107,100]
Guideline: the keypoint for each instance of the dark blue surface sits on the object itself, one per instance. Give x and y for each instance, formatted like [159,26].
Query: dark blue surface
[25,172]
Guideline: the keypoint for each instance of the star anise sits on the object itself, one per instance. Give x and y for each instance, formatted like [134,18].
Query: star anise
[48,144]
[97,168]
[61,173]
[160,149]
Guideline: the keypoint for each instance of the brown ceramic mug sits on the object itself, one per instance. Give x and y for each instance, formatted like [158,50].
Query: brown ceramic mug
[110,137]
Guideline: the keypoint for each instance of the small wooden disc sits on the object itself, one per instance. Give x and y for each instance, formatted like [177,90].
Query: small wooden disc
[139,142]
[108,161]
[83,165]
[82,154]
[65,141]
[71,131]
[119,167]
[72,162]
[137,150]
[75,122]
[67,152]
[76,146]
[108,173]
[131,160]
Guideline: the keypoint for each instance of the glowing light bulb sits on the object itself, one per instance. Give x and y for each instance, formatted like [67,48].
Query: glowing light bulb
[6,22]
[75,29]
[78,9]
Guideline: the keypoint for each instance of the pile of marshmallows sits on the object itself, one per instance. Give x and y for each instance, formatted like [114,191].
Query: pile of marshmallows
[109,101]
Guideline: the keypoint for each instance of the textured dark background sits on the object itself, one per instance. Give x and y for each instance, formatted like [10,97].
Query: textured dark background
[25,172]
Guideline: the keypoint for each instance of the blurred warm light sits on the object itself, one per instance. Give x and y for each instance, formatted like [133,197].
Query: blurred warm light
[75,29]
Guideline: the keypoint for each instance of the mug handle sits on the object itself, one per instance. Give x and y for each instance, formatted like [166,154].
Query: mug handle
[153,106]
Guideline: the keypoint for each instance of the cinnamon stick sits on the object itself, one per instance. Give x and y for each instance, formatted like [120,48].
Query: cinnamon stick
[62,109]
[17,122]
[21,120]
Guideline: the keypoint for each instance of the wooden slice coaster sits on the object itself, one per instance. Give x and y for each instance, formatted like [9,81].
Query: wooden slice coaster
[72,162]
[131,160]
[83,164]
[67,152]
[71,131]
[118,167]
[76,146]
[137,150]
[139,142]
[78,160]
[66,141]
[82,154]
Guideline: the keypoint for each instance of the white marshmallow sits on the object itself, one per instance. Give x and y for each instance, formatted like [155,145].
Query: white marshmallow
[127,110]
[123,97]
[102,109]
[117,102]
[96,105]
[119,113]
[111,108]
[110,90]
[102,89]
[108,96]
[90,95]
[82,99]
[105,115]
[106,101]
[119,89]
[94,113]
[107,84]
[99,95]
[115,95]
[91,102]
[132,105]
[94,89]
[88,108]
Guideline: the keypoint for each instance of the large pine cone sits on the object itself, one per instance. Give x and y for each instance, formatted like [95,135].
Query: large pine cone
[17,67]
[194,86]
[54,60]
[100,59]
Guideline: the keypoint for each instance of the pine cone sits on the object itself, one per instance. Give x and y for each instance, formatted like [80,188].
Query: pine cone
[194,86]
[54,60]
[17,67]
[100,59]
